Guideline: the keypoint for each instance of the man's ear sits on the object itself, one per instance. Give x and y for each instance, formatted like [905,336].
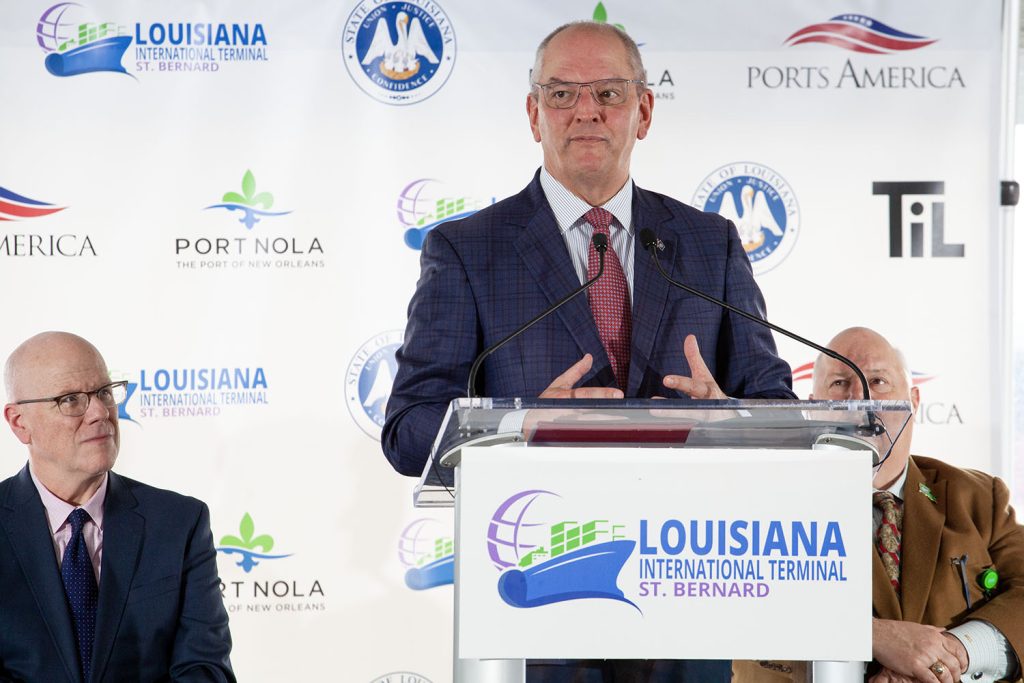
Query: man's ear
[532,110]
[915,398]
[16,420]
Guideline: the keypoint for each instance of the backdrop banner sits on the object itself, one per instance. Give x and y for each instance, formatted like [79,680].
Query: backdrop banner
[229,200]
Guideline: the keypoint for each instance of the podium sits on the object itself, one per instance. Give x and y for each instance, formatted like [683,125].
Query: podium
[660,529]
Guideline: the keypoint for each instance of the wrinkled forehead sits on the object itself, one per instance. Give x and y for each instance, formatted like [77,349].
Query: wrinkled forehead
[579,54]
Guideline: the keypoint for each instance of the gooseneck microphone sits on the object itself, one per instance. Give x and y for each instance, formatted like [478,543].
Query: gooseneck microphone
[600,243]
[650,242]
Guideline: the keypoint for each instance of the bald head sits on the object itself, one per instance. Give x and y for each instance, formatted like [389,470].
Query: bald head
[30,366]
[888,380]
[632,52]
[832,378]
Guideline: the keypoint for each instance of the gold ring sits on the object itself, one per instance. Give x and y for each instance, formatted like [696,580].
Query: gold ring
[937,668]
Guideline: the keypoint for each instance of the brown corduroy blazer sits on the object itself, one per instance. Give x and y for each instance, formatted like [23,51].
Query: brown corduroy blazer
[971,515]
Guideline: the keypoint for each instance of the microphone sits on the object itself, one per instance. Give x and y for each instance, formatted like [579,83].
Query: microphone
[600,243]
[651,243]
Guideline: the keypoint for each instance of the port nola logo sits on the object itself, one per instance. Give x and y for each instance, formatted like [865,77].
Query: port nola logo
[75,43]
[194,392]
[262,595]
[545,558]
[369,378]
[248,211]
[760,203]
[15,207]
[422,206]
[427,549]
[398,52]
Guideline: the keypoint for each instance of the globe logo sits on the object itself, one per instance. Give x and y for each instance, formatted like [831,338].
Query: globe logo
[76,47]
[428,553]
[369,378]
[548,562]
[399,52]
[760,204]
[422,206]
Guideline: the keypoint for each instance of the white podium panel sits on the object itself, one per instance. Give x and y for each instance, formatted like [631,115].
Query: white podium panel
[658,553]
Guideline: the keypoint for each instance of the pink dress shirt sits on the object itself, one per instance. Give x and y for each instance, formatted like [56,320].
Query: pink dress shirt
[57,512]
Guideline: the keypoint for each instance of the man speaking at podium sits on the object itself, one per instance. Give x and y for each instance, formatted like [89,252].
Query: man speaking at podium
[634,335]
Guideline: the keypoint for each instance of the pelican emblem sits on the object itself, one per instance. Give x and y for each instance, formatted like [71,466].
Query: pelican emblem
[755,219]
[399,60]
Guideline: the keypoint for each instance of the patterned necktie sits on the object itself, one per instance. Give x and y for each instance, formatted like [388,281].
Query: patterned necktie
[80,587]
[609,299]
[888,539]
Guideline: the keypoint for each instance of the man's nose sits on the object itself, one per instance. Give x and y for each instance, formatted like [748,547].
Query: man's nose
[98,410]
[587,108]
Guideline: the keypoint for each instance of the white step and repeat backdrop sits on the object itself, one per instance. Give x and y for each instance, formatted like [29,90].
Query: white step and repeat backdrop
[228,199]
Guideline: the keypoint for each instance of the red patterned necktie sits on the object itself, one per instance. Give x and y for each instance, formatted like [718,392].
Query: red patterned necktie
[889,537]
[609,299]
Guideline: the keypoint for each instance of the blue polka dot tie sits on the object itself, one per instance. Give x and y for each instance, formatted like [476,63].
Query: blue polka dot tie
[80,586]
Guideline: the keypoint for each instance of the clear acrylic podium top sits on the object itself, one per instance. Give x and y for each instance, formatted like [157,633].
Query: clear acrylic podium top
[668,423]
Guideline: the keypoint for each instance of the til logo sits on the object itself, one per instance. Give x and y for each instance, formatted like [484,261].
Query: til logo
[923,201]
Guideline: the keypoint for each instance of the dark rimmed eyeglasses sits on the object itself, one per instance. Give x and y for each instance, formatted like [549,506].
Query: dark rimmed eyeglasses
[608,92]
[76,403]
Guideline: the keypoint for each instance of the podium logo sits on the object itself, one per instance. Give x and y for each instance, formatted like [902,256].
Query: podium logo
[249,547]
[399,52]
[428,553]
[421,208]
[369,378]
[761,205]
[859,33]
[544,561]
[921,205]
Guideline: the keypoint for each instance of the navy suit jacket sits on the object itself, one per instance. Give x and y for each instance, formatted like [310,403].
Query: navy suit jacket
[160,615]
[483,276]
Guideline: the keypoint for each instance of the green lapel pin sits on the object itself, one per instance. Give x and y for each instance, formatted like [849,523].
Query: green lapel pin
[927,492]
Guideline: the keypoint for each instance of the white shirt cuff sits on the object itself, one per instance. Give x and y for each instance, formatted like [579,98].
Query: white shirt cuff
[991,657]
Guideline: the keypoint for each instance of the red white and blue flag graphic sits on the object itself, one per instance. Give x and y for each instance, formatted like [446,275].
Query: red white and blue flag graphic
[15,207]
[859,33]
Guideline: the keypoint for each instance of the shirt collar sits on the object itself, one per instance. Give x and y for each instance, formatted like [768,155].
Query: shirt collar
[57,510]
[897,486]
[569,209]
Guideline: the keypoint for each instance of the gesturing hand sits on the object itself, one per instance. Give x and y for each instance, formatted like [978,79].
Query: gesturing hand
[701,383]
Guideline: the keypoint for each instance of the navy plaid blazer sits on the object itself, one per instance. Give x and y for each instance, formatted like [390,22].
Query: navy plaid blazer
[485,275]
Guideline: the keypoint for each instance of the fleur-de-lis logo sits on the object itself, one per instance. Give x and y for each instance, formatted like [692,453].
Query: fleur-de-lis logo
[601,16]
[251,203]
[264,541]
[246,543]
[249,196]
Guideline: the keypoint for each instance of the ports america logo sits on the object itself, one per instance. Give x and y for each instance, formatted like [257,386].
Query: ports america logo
[14,208]
[76,42]
[859,33]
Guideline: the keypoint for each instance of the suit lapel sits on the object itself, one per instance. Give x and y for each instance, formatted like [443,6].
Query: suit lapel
[23,517]
[123,530]
[923,521]
[543,250]
[883,595]
[649,287]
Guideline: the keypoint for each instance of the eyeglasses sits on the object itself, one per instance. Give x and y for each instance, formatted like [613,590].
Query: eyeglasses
[608,92]
[77,402]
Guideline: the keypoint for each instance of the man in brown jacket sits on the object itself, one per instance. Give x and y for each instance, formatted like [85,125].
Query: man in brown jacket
[955,525]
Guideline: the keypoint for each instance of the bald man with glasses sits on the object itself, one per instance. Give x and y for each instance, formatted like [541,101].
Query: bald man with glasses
[102,578]
[633,335]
